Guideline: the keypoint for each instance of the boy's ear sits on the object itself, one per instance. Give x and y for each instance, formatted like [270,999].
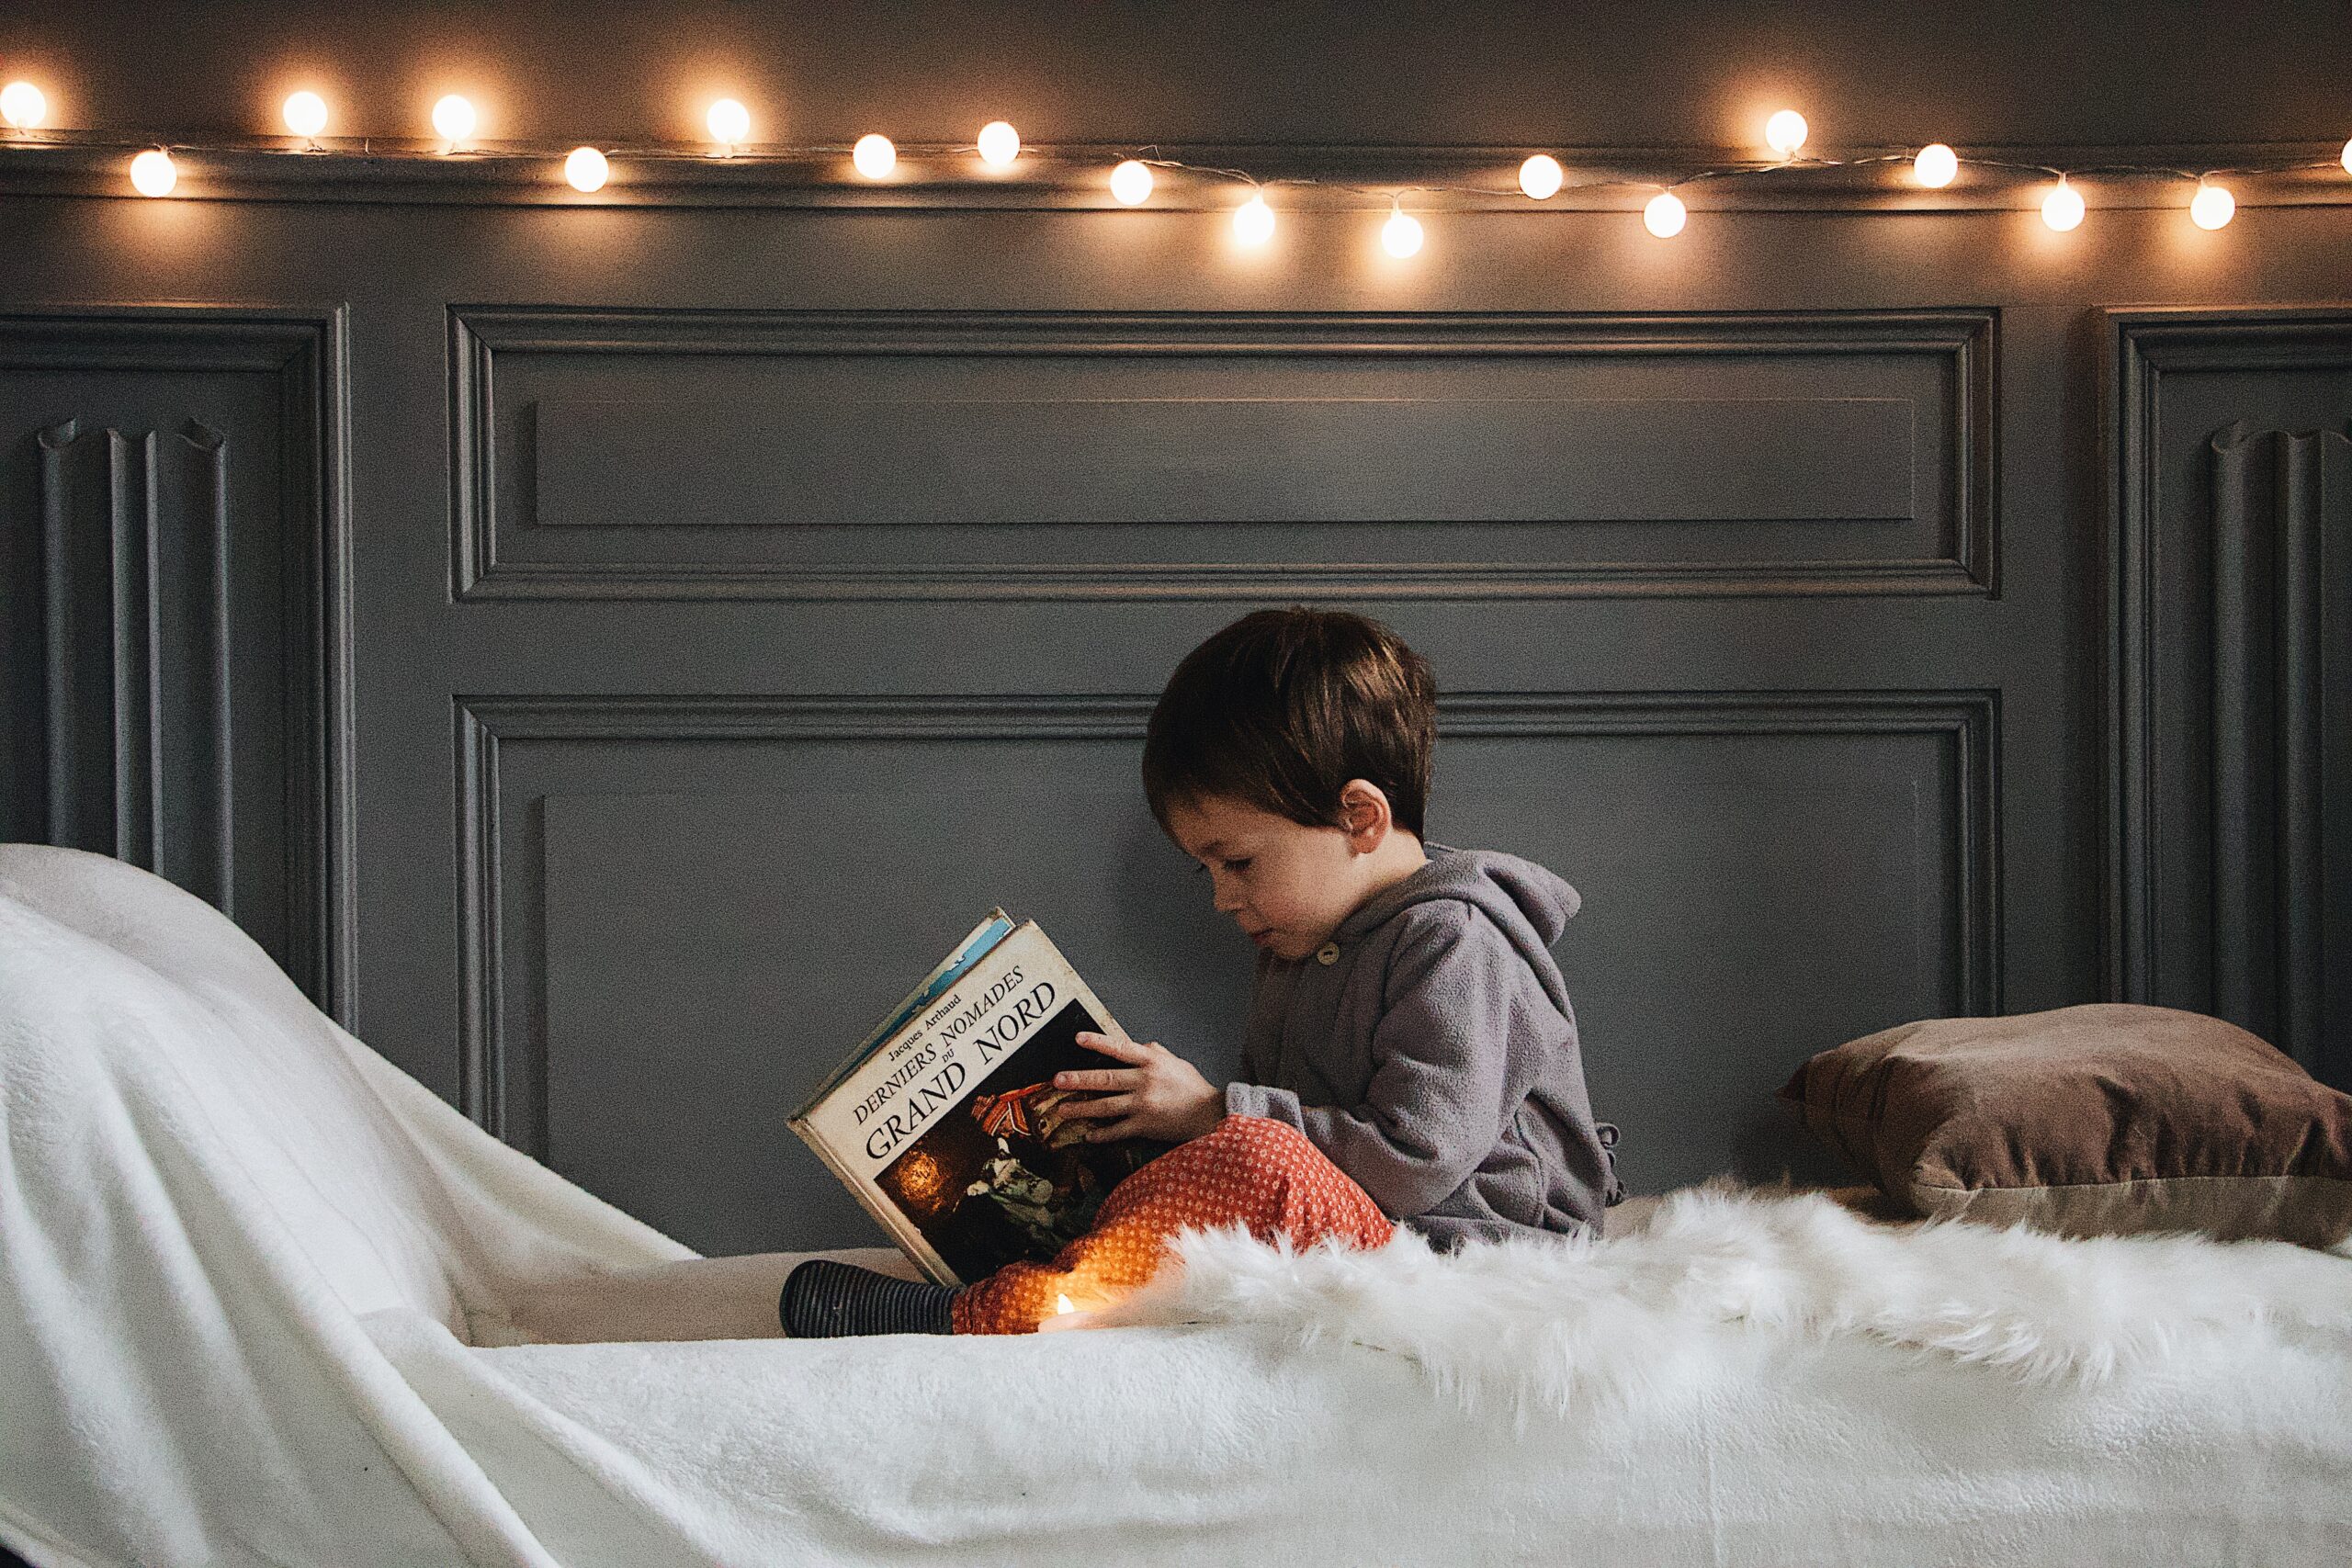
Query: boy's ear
[1363,807]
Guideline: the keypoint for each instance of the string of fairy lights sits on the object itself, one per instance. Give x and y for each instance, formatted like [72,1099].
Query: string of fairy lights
[1131,181]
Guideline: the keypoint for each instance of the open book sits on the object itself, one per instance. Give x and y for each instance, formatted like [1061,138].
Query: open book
[945,1122]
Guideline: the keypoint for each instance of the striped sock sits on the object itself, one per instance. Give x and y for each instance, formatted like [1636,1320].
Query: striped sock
[823,1299]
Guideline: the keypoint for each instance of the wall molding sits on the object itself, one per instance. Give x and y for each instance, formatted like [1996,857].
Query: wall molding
[1967,340]
[2282,628]
[306,351]
[113,601]
[1968,719]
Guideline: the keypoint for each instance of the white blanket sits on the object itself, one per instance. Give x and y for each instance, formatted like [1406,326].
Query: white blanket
[244,1264]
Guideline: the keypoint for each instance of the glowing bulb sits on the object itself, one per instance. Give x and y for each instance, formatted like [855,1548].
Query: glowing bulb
[2212,206]
[1401,235]
[2347,155]
[151,172]
[1131,182]
[586,169]
[453,119]
[306,114]
[1664,215]
[2062,208]
[1541,176]
[1253,220]
[730,122]
[874,155]
[22,105]
[1000,144]
[1785,131]
[1061,1305]
[1936,165]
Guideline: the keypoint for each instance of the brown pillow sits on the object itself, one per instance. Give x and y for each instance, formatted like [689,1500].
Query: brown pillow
[2101,1119]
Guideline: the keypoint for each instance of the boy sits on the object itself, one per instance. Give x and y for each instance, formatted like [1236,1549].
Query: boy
[1412,1055]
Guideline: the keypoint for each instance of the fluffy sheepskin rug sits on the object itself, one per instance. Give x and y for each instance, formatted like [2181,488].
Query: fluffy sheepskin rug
[1554,1324]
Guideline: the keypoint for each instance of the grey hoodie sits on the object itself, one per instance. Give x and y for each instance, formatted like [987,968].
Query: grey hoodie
[1428,1049]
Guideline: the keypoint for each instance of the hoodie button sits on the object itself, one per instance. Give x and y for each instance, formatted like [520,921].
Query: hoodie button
[1328,953]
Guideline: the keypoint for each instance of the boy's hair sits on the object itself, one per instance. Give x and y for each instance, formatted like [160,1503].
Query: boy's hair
[1282,707]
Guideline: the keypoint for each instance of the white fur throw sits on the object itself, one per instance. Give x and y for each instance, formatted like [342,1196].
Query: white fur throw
[1551,1324]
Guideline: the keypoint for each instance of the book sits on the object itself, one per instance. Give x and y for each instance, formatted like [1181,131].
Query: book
[945,1124]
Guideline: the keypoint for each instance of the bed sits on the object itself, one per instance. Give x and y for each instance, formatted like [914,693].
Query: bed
[260,1307]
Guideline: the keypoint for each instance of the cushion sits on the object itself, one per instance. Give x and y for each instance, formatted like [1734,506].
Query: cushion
[2102,1120]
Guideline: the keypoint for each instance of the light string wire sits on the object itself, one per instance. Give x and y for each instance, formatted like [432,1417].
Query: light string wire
[1727,171]
[1150,154]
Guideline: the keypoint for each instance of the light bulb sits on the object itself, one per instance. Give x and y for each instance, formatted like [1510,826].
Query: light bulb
[453,119]
[874,155]
[1541,176]
[1401,235]
[2348,157]
[1253,220]
[1000,144]
[1785,131]
[730,122]
[1062,1306]
[1664,215]
[586,169]
[22,105]
[2062,208]
[306,114]
[151,172]
[1131,182]
[1936,165]
[2212,206]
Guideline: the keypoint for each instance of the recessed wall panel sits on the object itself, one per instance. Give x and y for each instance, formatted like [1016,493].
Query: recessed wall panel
[687,911]
[896,453]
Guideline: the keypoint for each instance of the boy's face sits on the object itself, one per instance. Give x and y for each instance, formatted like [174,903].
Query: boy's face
[1287,885]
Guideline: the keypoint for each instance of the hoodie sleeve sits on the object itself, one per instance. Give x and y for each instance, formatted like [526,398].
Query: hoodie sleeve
[1441,1068]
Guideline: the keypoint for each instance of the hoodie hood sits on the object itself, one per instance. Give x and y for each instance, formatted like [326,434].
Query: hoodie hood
[1530,904]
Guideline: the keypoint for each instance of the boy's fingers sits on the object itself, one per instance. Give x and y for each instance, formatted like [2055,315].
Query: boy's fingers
[1109,1105]
[1117,1130]
[1101,1079]
[1114,1045]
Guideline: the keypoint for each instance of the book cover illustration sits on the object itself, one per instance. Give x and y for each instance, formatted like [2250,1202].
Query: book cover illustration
[951,1131]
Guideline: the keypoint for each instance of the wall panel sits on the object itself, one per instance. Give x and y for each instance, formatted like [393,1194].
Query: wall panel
[923,455]
[173,528]
[2232,854]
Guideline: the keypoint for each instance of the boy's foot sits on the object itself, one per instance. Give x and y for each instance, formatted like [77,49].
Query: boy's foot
[823,1299]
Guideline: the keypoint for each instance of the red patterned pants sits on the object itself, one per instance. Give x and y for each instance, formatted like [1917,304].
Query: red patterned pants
[1250,1169]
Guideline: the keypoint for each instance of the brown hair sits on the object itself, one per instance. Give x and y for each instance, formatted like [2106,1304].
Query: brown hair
[1281,708]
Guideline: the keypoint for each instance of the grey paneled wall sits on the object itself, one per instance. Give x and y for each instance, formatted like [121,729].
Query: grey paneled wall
[175,561]
[727,628]
[2233,852]
[675,908]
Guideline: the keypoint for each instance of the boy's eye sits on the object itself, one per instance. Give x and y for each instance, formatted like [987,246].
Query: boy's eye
[1236,865]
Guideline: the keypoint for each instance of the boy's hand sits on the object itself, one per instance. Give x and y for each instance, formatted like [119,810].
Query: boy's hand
[1159,1095]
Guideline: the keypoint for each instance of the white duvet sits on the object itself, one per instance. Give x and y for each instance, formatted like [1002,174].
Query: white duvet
[242,1258]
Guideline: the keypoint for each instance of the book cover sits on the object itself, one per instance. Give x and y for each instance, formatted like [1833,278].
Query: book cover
[944,1122]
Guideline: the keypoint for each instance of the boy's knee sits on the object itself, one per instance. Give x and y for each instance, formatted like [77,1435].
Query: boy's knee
[1251,1152]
